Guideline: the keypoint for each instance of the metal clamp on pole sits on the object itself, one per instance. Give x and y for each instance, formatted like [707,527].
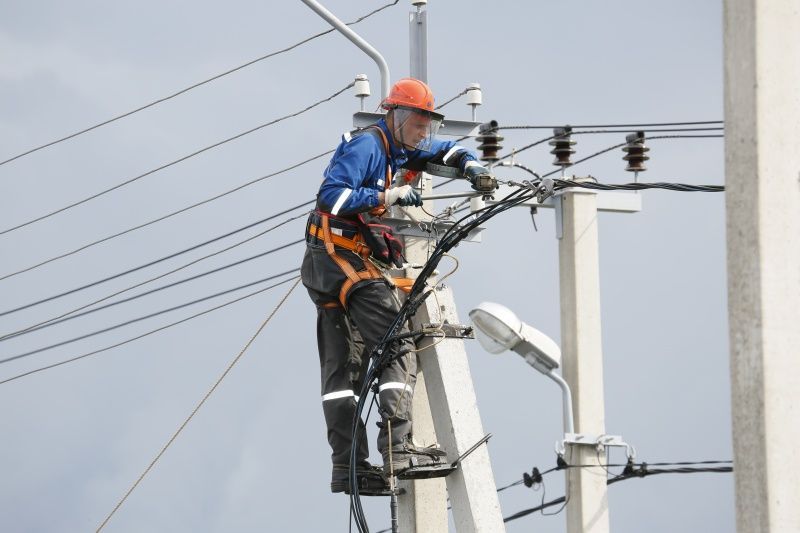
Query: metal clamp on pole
[453,331]
[598,442]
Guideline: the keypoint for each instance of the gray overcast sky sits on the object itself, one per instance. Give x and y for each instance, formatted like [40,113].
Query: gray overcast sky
[255,458]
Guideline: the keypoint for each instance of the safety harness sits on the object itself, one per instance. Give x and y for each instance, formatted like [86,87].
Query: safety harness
[356,243]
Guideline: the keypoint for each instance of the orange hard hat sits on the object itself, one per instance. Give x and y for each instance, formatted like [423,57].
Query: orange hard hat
[410,93]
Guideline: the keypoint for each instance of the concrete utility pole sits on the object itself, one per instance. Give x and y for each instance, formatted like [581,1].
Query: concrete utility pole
[445,407]
[582,357]
[581,348]
[762,161]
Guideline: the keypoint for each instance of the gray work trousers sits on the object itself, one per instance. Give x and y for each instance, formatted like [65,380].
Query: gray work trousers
[342,337]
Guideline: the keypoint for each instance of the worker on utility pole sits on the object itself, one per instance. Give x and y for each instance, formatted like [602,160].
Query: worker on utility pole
[344,269]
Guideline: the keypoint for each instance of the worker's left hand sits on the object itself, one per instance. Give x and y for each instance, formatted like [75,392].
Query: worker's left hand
[480,177]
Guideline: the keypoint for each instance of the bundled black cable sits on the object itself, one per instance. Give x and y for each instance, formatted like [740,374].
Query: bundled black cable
[683,187]
[380,353]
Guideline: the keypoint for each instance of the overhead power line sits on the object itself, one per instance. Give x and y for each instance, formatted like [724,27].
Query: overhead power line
[179,211]
[141,318]
[146,334]
[537,478]
[648,130]
[620,145]
[199,405]
[179,160]
[146,265]
[641,125]
[189,88]
[73,314]
[642,471]
[544,140]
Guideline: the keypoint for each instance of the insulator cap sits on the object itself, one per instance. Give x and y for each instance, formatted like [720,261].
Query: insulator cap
[490,141]
[474,94]
[362,86]
[636,152]
[562,146]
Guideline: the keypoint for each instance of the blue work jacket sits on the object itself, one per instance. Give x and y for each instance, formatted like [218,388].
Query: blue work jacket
[357,171]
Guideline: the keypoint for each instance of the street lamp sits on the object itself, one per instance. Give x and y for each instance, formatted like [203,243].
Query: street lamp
[498,329]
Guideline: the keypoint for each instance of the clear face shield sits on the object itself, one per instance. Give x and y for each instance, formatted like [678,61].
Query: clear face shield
[415,129]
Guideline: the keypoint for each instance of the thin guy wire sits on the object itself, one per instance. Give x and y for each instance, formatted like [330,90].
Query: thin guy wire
[172,214]
[147,334]
[199,405]
[187,89]
[133,321]
[184,158]
[75,314]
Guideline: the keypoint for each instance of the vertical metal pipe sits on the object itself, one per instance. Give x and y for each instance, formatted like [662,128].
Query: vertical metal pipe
[418,41]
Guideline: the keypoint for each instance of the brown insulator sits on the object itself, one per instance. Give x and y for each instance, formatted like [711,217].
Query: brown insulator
[562,145]
[489,141]
[636,152]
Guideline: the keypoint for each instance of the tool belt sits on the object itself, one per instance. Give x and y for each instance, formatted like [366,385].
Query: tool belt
[350,235]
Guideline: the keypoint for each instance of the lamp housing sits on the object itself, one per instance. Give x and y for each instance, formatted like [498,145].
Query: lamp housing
[499,329]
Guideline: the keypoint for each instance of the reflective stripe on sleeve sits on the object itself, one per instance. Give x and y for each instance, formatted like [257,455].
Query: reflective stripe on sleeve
[395,385]
[339,394]
[340,202]
[452,151]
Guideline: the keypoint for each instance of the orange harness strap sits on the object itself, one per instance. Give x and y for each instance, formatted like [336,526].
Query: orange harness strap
[355,245]
[353,277]
[387,182]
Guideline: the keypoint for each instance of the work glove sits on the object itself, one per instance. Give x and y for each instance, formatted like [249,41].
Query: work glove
[480,177]
[404,195]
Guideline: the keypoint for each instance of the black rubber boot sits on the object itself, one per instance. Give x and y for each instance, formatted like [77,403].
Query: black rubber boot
[408,455]
[371,481]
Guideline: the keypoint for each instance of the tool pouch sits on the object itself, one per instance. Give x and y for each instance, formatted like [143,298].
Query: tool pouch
[384,246]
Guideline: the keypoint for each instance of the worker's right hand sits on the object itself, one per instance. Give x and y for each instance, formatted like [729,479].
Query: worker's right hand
[404,195]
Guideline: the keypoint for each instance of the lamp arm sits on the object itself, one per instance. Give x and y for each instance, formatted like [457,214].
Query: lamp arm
[569,424]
